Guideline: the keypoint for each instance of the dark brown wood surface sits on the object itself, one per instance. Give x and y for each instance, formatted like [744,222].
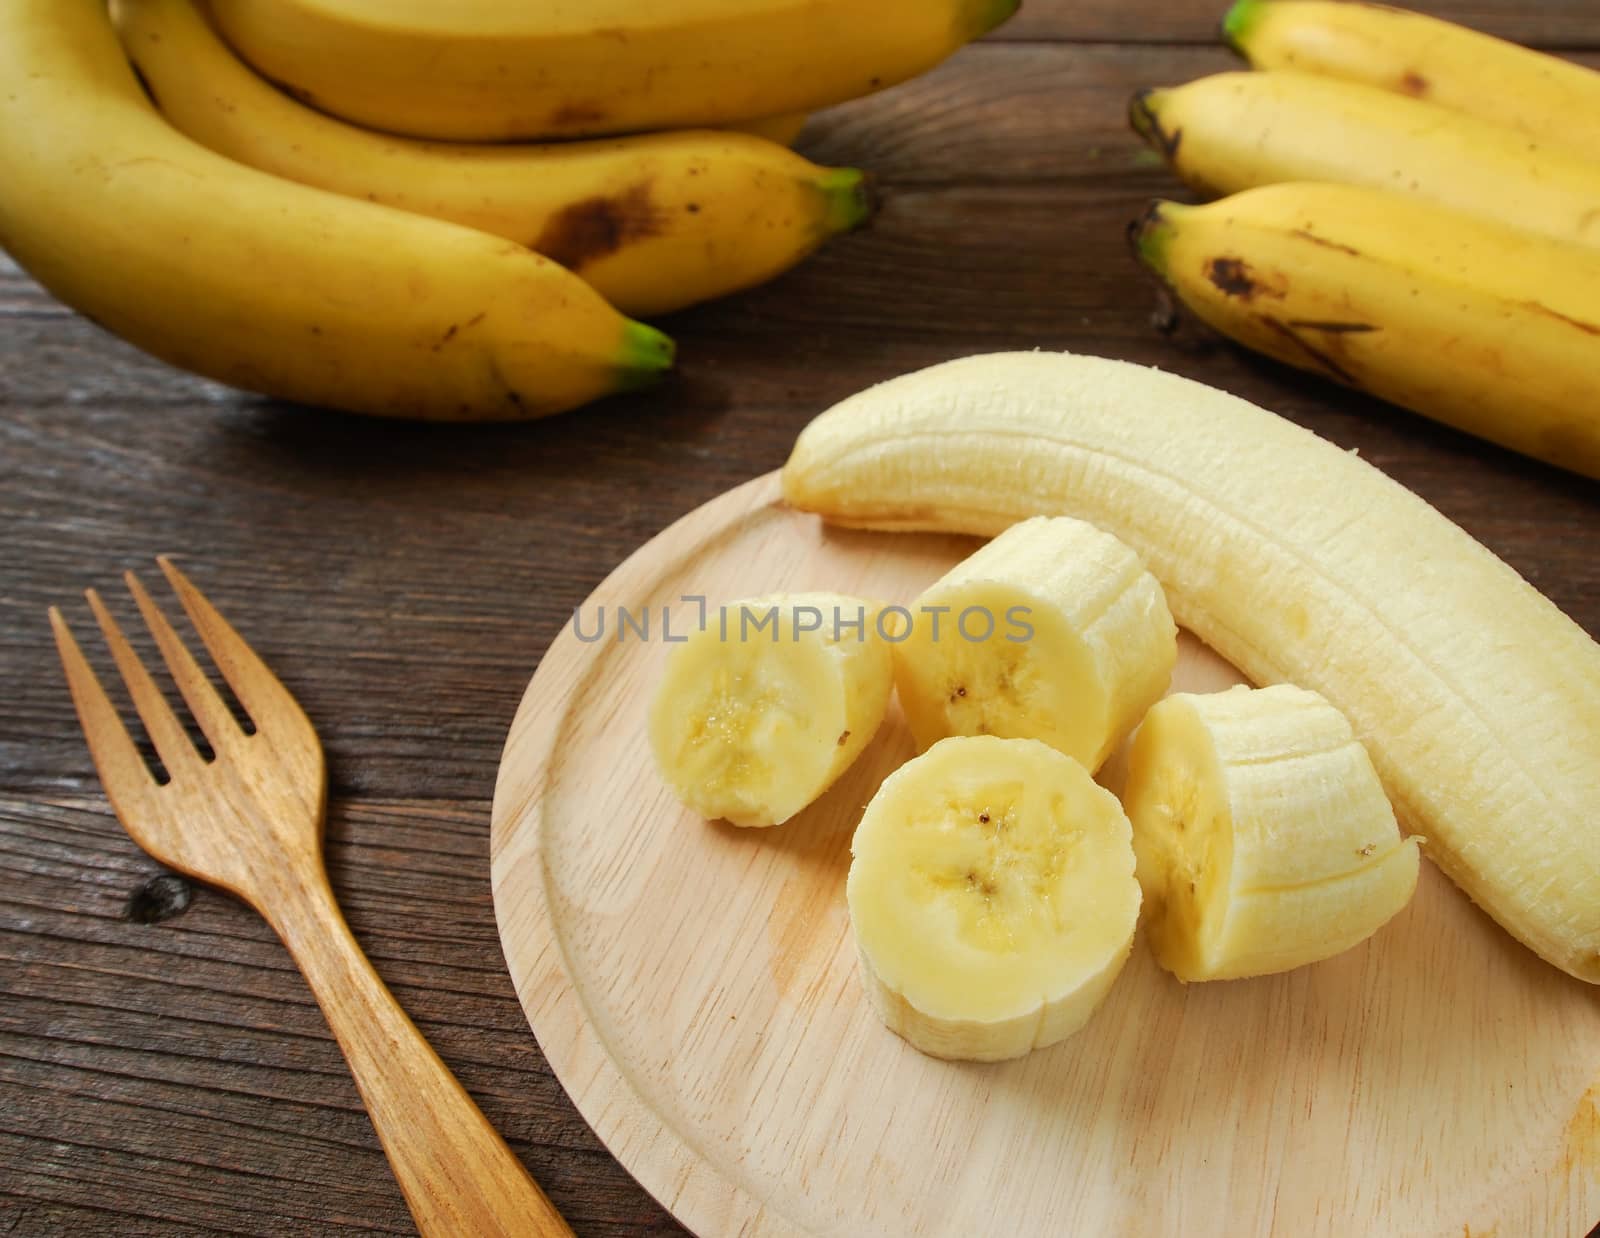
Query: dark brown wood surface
[175,1077]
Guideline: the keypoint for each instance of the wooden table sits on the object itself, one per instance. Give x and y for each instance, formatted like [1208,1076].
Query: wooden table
[175,1077]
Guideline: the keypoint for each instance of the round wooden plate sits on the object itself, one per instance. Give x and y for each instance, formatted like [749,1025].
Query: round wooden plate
[693,986]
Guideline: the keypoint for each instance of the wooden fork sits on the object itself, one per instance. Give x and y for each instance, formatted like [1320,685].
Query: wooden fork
[250,821]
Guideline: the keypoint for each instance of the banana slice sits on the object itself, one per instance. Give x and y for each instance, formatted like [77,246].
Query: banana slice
[1053,631]
[1263,836]
[992,897]
[764,707]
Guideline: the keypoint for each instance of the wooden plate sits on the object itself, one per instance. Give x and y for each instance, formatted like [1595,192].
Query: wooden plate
[693,986]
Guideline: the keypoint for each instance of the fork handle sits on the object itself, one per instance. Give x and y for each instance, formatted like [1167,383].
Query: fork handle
[457,1174]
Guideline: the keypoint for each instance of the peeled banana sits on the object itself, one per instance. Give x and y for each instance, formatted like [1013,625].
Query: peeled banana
[653,223]
[1263,837]
[1053,631]
[501,69]
[761,709]
[1488,329]
[1478,700]
[1547,98]
[992,897]
[268,285]
[1233,131]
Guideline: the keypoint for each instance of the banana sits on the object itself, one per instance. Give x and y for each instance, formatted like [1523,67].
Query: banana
[1053,631]
[1263,837]
[992,897]
[763,707]
[1234,131]
[501,69]
[268,285]
[653,223]
[1547,98]
[1488,329]
[1478,700]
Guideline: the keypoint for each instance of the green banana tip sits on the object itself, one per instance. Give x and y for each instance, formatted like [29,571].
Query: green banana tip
[1237,23]
[1150,234]
[852,199]
[646,355]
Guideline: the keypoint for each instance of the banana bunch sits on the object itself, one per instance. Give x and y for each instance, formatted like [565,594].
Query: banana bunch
[224,218]
[1393,224]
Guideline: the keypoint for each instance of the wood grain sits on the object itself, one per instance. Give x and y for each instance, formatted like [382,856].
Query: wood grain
[694,985]
[404,581]
[240,804]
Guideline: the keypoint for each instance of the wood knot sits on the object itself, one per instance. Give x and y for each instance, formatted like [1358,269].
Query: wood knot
[160,899]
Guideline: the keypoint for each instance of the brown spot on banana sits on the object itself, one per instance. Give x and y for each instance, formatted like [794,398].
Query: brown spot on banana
[1334,328]
[595,227]
[1588,328]
[1414,84]
[1234,277]
[450,332]
[1319,358]
[575,115]
[1306,235]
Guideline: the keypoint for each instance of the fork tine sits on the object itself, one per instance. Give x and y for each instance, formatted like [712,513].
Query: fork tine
[252,681]
[121,767]
[215,719]
[166,732]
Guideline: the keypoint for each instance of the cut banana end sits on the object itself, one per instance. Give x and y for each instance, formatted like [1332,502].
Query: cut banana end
[1053,631]
[764,707]
[1263,836]
[992,897]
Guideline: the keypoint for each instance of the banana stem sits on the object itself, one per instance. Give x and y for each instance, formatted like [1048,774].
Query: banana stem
[1150,233]
[646,355]
[1237,22]
[1146,122]
[852,199]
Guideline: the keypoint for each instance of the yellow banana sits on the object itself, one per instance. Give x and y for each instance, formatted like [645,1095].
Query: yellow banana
[1234,131]
[1488,329]
[268,285]
[653,223]
[498,69]
[1544,97]
[1300,563]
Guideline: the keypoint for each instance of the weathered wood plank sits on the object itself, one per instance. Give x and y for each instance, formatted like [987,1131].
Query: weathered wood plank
[179,1074]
